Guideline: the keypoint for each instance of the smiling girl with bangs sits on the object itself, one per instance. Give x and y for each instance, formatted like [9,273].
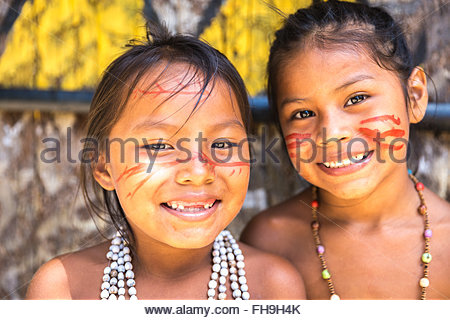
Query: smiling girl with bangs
[170,119]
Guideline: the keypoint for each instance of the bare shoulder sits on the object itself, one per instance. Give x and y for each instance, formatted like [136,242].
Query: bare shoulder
[60,278]
[272,229]
[271,276]
[50,282]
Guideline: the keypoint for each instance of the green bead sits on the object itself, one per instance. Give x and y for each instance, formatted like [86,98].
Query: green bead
[325,274]
[426,257]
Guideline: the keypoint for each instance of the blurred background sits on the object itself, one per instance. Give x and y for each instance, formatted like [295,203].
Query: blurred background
[52,53]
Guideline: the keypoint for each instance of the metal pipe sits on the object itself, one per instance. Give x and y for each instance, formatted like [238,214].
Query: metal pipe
[437,116]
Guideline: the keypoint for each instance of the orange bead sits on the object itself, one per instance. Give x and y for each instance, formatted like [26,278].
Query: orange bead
[315,204]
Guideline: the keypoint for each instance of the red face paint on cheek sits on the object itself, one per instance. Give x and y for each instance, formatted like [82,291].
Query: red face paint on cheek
[131,171]
[377,135]
[138,186]
[206,160]
[298,140]
[213,164]
[383,118]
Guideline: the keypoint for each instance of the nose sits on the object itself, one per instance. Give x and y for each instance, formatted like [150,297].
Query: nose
[198,170]
[334,128]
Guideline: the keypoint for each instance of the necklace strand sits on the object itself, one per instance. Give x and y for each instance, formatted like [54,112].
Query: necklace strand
[227,260]
[424,282]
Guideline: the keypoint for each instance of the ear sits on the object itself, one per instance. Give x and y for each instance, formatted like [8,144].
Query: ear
[418,95]
[102,174]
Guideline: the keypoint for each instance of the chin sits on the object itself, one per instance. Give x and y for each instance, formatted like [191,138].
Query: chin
[192,239]
[350,190]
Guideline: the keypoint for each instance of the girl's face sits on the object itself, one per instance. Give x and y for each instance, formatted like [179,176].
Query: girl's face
[181,177]
[344,120]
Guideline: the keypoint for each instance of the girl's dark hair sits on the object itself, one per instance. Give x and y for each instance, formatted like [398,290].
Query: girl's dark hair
[332,24]
[160,49]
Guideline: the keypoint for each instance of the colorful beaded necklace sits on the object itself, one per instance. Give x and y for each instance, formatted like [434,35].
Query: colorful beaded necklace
[424,282]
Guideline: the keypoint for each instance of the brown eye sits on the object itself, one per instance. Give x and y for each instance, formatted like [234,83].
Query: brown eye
[158,146]
[223,145]
[356,99]
[304,114]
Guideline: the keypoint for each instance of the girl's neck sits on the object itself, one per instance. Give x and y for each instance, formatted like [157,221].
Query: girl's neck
[394,199]
[157,259]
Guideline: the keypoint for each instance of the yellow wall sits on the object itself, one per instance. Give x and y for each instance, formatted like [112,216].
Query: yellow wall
[243,30]
[66,44]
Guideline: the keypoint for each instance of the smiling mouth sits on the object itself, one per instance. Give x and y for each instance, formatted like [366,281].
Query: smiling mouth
[191,207]
[358,158]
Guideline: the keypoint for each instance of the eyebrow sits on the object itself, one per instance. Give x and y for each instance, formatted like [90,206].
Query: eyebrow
[149,124]
[349,82]
[353,80]
[290,100]
[229,123]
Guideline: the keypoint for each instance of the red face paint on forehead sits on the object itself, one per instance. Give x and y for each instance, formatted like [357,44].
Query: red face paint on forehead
[159,89]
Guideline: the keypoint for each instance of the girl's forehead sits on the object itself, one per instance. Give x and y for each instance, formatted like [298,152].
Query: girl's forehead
[172,78]
[331,62]
[178,82]
[178,97]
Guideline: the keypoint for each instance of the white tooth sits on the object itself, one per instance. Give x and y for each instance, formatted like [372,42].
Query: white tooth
[206,206]
[326,164]
[346,162]
[174,206]
[181,207]
[332,164]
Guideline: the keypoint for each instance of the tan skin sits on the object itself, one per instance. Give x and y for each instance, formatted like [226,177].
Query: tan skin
[370,226]
[173,252]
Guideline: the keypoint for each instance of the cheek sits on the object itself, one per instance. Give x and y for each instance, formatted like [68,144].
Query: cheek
[388,132]
[136,180]
[236,179]
[300,147]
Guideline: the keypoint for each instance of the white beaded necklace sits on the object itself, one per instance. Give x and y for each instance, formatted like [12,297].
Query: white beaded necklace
[227,259]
